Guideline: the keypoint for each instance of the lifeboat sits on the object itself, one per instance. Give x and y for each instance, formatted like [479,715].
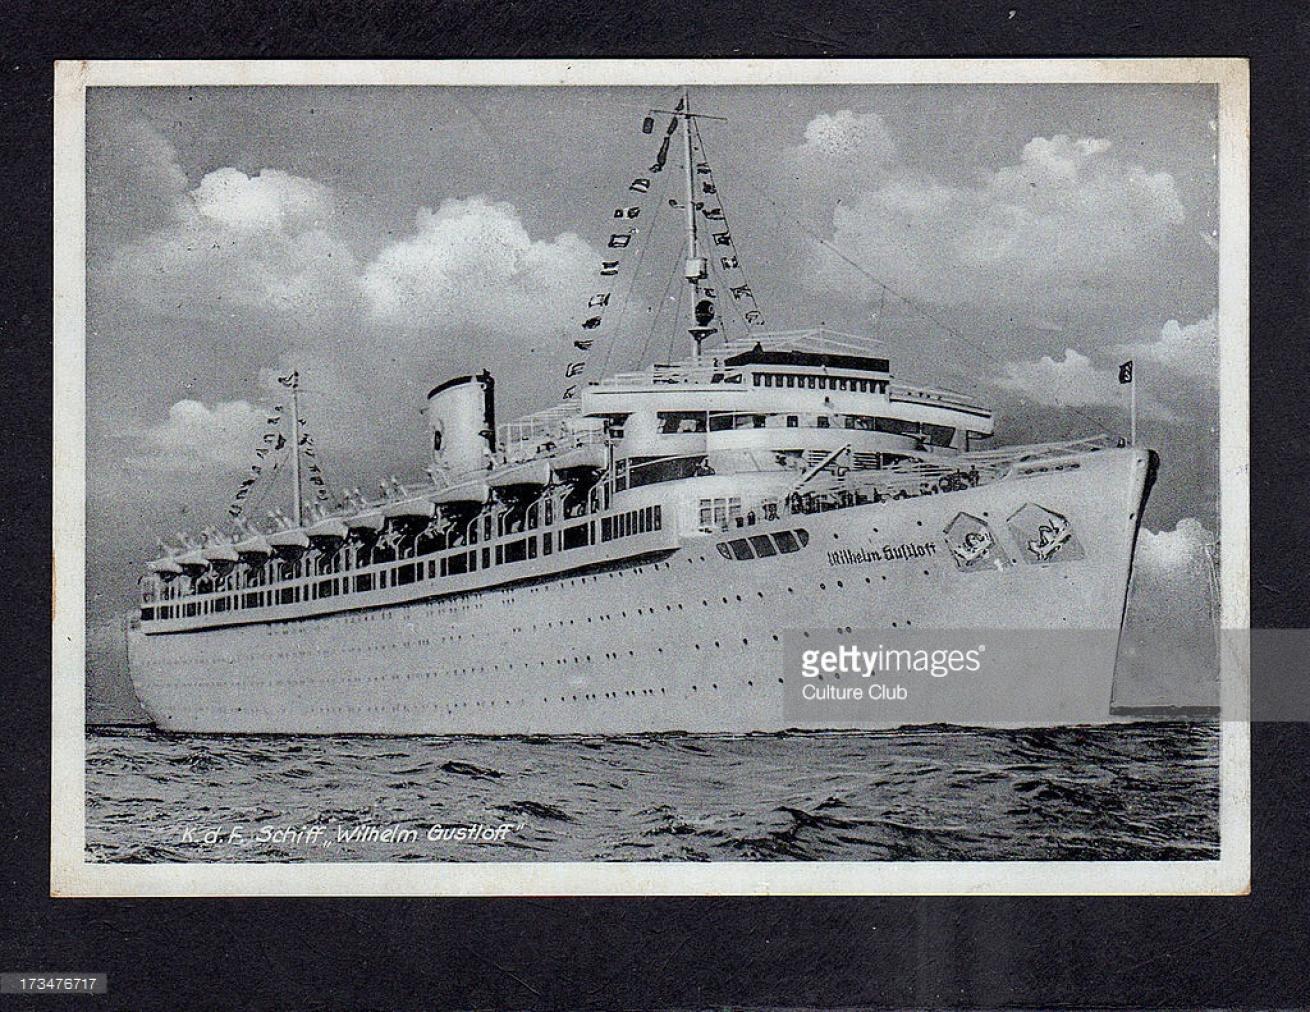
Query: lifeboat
[409,514]
[365,526]
[217,553]
[516,480]
[466,495]
[193,563]
[167,568]
[221,557]
[288,544]
[568,464]
[254,551]
[327,534]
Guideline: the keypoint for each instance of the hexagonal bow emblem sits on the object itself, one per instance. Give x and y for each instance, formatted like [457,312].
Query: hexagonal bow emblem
[972,544]
[1043,535]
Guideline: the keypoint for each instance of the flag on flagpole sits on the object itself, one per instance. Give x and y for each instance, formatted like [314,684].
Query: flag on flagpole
[1126,377]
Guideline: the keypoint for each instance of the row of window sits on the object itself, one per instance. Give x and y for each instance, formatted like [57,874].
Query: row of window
[762,546]
[634,472]
[633,522]
[681,422]
[811,382]
[580,535]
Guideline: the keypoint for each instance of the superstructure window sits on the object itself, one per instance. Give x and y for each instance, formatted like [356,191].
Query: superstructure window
[653,470]
[939,435]
[741,551]
[681,422]
[898,426]
[762,546]
[577,536]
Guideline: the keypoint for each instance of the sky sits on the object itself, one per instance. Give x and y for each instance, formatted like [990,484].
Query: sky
[1015,243]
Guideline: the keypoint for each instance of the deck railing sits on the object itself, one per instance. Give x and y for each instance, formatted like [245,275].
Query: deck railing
[841,489]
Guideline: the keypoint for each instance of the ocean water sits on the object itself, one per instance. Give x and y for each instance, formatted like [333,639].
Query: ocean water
[1143,791]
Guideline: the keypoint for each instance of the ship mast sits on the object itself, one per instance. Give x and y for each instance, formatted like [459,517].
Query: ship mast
[695,267]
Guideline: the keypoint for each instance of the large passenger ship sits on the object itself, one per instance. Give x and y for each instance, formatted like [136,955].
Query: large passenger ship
[633,559]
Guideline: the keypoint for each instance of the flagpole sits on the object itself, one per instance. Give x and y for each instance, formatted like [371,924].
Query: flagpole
[295,447]
[1132,407]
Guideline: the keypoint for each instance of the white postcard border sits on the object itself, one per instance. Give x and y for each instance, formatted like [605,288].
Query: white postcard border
[73,876]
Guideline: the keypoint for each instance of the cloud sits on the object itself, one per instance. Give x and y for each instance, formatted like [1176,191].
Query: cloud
[1068,382]
[259,269]
[1069,220]
[271,200]
[238,242]
[843,154]
[1189,351]
[133,180]
[1174,552]
[1167,651]
[1181,370]
[196,438]
[472,263]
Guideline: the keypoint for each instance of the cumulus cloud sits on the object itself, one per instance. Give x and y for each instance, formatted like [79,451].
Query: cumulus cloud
[1173,551]
[196,438]
[1190,351]
[264,264]
[845,134]
[1068,382]
[1181,362]
[1067,219]
[272,243]
[1167,653]
[472,263]
[262,242]
[843,153]
[270,200]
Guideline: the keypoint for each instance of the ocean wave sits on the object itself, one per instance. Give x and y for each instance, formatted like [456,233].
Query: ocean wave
[1125,792]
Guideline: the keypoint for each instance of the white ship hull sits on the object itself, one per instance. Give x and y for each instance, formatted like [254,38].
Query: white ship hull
[682,639]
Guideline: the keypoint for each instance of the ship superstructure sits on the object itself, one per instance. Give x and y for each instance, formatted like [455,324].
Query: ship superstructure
[627,560]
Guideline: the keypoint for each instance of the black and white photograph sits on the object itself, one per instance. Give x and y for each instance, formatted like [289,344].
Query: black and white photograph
[651,477]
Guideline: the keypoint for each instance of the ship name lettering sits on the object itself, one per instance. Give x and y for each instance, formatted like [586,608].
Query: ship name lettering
[888,553]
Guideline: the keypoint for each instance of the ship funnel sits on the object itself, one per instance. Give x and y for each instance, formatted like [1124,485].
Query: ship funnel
[462,423]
